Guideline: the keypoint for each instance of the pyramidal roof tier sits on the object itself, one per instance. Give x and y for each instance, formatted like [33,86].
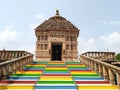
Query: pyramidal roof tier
[56,22]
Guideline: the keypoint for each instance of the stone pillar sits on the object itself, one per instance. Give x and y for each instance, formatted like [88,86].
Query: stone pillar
[92,65]
[105,73]
[111,76]
[14,67]
[88,62]
[4,74]
[96,67]
[20,66]
[100,69]
[118,79]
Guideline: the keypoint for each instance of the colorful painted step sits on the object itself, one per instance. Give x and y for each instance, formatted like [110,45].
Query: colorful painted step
[56,76]
[16,87]
[55,87]
[94,87]
[55,82]
[26,74]
[88,78]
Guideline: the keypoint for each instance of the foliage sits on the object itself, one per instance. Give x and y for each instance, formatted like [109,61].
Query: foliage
[118,56]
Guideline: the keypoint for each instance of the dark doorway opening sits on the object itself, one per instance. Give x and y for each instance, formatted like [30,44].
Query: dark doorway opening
[56,52]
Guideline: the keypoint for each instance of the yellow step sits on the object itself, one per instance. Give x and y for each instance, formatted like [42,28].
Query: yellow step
[58,78]
[56,68]
[29,72]
[76,65]
[114,87]
[37,65]
[82,72]
[7,87]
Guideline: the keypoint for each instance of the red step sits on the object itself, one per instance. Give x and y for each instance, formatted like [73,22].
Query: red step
[92,82]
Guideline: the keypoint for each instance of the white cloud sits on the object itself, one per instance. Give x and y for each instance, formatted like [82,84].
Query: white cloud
[8,38]
[111,41]
[115,22]
[28,48]
[33,26]
[108,22]
[40,18]
[7,34]
[86,45]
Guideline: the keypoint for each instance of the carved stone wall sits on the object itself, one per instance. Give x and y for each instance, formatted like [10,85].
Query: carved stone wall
[56,30]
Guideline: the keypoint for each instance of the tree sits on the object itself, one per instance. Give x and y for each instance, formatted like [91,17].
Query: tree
[118,56]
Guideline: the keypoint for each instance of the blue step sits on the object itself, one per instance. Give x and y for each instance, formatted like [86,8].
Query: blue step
[25,78]
[55,87]
[87,78]
[56,72]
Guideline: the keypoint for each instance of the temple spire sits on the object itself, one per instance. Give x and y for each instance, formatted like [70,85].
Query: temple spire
[57,12]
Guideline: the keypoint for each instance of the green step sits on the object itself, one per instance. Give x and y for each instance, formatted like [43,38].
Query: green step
[55,82]
[76,66]
[73,63]
[35,66]
[26,74]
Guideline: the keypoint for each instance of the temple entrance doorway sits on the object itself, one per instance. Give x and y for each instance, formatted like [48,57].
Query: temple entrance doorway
[56,52]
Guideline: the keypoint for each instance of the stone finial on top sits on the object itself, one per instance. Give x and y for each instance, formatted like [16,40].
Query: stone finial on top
[57,11]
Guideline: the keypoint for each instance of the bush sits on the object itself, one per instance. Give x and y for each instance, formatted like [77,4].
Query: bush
[118,56]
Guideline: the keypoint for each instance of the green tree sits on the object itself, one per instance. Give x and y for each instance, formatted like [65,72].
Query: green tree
[118,56]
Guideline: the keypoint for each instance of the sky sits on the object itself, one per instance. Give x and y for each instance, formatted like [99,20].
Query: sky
[97,20]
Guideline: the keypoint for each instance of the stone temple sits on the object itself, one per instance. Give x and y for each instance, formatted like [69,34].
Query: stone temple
[56,40]
[57,66]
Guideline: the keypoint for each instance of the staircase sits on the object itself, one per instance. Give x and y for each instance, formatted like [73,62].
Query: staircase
[56,76]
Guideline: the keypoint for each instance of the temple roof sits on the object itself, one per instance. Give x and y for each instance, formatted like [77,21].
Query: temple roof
[56,22]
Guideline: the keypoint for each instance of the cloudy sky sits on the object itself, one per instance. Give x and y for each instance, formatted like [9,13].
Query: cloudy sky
[98,21]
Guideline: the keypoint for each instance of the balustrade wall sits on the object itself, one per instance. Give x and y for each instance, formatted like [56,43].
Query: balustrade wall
[108,71]
[101,55]
[21,59]
[8,54]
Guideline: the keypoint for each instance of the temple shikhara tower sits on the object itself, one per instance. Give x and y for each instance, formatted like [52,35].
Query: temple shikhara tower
[56,40]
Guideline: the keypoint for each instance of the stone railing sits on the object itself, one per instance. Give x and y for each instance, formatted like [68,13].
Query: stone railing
[11,66]
[9,54]
[101,55]
[108,71]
